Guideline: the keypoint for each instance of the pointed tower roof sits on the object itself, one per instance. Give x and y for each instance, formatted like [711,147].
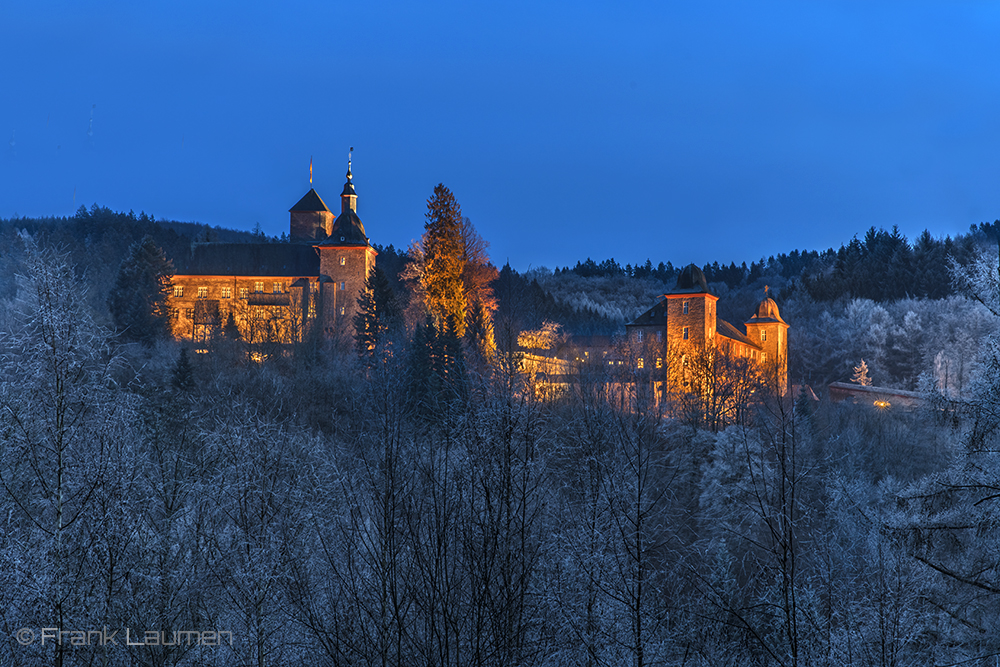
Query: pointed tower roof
[310,202]
[347,228]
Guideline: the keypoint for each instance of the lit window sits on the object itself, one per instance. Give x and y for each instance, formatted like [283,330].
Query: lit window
[638,336]
[178,290]
[341,285]
[202,292]
[227,292]
[244,292]
[685,333]
[763,357]
[763,335]
[312,309]
[341,310]
[189,313]
[659,362]
[278,288]
[343,260]
[640,363]
[685,307]
[258,286]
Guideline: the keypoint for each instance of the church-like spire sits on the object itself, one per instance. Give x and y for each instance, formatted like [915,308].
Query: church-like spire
[349,198]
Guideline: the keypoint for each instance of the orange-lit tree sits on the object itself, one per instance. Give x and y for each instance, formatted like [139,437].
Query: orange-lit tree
[444,260]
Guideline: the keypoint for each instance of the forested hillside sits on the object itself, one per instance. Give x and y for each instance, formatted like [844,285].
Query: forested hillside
[414,502]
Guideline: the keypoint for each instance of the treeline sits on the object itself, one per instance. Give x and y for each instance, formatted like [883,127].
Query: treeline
[884,266]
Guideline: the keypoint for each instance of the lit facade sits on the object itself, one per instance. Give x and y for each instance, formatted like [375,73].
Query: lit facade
[277,292]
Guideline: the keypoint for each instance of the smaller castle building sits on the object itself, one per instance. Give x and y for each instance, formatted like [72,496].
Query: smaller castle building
[683,326]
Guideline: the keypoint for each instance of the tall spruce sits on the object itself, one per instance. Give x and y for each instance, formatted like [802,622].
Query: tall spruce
[378,313]
[138,300]
[444,252]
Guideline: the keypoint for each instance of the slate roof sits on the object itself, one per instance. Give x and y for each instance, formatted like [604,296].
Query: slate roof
[347,230]
[724,328]
[248,259]
[691,281]
[766,312]
[655,315]
[310,202]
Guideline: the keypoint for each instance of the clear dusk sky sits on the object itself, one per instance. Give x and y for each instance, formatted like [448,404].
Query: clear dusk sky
[681,131]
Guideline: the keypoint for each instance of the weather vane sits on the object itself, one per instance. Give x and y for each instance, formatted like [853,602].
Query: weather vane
[310,170]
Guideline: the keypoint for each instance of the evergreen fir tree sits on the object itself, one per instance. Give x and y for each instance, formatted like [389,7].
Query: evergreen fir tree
[138,300]
[183,376]
[444,253]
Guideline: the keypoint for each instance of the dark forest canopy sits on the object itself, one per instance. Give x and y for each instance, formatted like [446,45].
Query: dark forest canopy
[883,266]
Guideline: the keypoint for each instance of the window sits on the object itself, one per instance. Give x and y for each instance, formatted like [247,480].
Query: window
[178,290]
[258,286]
[659,336]
[227,292]
[341,310]
[244,292]
[342,285]
[343,260]
[278,288]
[763,357]
[763,335]
[202,292]
[685,307]
[659,362]
[685,333]
[189,313]
[640,363]
[638,337]
[312,309]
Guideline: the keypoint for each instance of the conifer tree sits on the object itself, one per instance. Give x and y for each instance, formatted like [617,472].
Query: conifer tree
[444,254]
[138,300]
[378,312]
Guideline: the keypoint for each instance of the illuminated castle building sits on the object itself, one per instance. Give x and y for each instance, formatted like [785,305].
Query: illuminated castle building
[277,292]
[682,330]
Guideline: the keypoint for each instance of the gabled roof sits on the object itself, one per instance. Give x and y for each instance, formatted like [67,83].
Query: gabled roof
[248,259]
[727,330]
[310,202]
[655,315]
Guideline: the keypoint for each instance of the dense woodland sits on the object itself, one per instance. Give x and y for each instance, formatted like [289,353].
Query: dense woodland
[402,497]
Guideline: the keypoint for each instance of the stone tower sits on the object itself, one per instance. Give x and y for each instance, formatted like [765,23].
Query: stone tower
[770,332]
[690,312]
[345,260]
[310,219]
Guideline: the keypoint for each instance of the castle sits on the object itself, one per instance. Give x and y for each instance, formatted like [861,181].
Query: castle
[683,328]
[277,292]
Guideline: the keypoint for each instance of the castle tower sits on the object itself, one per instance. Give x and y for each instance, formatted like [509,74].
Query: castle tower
[345,258]
[310,219]
[770,332]
[690,312]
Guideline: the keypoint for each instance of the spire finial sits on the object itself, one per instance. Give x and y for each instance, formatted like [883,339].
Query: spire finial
[349,176]
[765,291]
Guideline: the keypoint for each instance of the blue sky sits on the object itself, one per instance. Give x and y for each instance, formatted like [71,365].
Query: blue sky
[676,131]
